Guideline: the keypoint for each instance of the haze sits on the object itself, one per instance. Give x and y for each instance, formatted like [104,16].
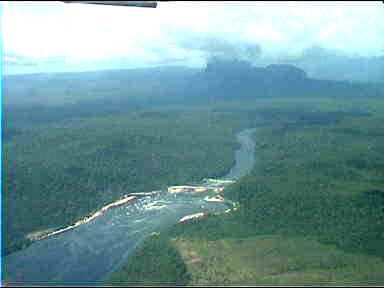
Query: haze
[59,37]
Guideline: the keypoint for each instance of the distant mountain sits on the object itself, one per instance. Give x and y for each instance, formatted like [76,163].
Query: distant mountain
[327,64]
[53,96]
[235,79]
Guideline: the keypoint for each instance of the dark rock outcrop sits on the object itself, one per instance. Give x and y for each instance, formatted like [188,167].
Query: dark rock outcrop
[236,79]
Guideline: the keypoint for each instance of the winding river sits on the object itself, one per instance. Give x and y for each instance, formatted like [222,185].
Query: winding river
[87,254]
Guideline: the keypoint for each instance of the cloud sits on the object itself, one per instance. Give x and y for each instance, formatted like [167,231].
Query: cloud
[323,63]
[222,49]
[19,60]
[17,63]
[74,33]
[12,58]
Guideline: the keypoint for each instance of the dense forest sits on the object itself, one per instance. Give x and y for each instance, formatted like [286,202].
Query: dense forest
[311,211]
[57,172]
[74,142]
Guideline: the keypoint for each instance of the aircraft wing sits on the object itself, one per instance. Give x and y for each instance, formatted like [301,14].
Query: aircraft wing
[149,4]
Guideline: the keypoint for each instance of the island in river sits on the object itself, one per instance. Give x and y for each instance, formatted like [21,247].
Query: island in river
[72,256]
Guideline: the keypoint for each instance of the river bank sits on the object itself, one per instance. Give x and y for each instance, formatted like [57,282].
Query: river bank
[207,185]
[211,185]
[124,201]
[97,239]
[311,211]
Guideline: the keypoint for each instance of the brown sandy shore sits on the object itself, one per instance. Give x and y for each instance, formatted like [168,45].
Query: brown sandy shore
[124,201]
[128,199]
[214,185]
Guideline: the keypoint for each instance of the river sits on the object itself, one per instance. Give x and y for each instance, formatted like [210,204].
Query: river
[87,254]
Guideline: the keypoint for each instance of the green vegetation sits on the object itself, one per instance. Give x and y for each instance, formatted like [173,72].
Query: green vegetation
[58,172]
[274,259]
[169,270]
[311,211]
[129,87]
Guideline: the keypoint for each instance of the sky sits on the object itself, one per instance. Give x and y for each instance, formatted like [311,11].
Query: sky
[66,36]
[1,144]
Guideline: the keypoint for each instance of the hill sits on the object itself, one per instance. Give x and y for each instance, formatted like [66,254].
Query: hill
[236,79]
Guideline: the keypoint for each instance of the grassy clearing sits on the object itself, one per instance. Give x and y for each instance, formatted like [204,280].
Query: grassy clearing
[311,211]
[319,181]
[274,259]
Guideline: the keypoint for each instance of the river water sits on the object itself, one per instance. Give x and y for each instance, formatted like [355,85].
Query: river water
[87,254]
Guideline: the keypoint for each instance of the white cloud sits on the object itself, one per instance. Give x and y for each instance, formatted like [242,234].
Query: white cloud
[78,32]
